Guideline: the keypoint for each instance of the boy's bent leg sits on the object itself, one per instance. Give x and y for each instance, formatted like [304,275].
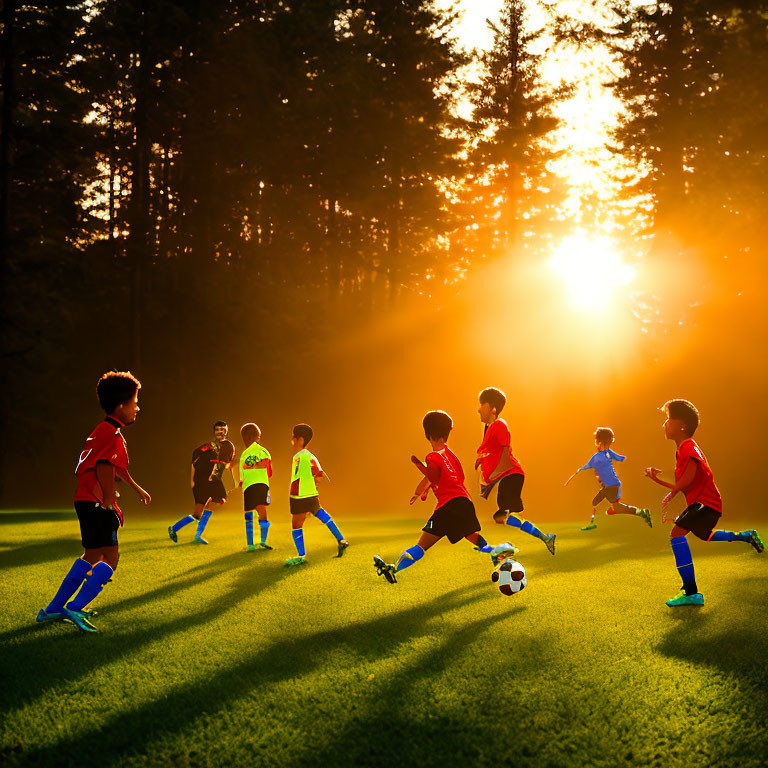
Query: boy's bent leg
[69,586]
[202,522]
[179,524]
[416,552]
[527,527]
[327,520]
[684,562]
[750,537]
[481,545]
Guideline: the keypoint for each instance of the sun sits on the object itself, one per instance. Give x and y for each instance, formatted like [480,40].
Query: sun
[592,269]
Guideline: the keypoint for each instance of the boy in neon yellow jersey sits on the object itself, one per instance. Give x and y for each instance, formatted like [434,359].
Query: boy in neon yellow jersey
[255,471]
[304,497]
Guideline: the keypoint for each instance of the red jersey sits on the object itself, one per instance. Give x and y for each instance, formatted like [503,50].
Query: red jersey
[703,489]
[105,443]
[446,475]
[496,442]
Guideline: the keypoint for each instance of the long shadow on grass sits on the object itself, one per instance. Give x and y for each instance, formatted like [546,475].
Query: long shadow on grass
[121,735]
[55,654]
[11,517]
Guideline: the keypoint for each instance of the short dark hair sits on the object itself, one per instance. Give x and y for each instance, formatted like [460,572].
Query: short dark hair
[604,435]
[684,410]
[115,388]
[494,397]
[437,424]
[250,432]
[304,431]
[221,424]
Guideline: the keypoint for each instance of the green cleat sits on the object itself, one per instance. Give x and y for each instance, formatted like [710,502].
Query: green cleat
[251,548]
[343,544]
[200,540]
[80,619]
[502,552]
[387,570]
[645,514]
[172,534]
[550,542]
[52,616]
[295,561]
[590,527]
[756,541]
[683,599]
[265,546]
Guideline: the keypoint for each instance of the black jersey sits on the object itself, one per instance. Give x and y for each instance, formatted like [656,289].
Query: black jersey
[210,460]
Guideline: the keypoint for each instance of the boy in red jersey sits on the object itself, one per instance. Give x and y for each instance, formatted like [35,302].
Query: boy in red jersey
[454,515]
[103,457]
[498,465]
[694,478]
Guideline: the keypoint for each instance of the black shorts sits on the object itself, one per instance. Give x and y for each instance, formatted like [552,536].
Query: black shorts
[255,495]
[98,526]
[610,492]
[509,494]
[456,519]
[310,505]
[699,519]
[209,490]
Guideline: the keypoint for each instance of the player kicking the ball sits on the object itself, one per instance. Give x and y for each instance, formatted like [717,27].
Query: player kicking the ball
[454,515]
[103,457]
[694,478]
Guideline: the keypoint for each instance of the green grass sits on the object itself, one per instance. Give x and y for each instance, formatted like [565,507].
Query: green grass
[209,656]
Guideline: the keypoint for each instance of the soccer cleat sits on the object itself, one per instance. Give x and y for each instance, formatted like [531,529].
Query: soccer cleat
[251,548]
[295,561]
[200,540]
[80,619]
[590,527]
[645,514]
[756,541]
[683,599]
[387,570]
[343,544]
[172,534]
[502,552]
[52,616]
[550,542]
[265,546]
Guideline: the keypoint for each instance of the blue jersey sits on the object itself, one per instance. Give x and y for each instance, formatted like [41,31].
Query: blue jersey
[602,463]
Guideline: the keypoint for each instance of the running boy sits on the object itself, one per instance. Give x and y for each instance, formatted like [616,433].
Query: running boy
[304,497]
[104,456]
[694,478]
[255,471]
[208,464]
[602,463]
[454,515]
[498,465]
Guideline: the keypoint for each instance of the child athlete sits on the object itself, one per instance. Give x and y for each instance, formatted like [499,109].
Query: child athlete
[255,471]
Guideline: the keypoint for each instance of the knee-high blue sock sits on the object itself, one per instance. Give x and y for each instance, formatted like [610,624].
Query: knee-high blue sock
[482,545]
[298,540]
[264,528]
[409,557]
[729,536]
[324,517]
[100,575]
[69,586]
[249,528]
[179,524]
[684,562]
[203,521]
[525,526]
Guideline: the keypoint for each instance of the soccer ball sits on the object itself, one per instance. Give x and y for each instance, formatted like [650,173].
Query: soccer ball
[509,576]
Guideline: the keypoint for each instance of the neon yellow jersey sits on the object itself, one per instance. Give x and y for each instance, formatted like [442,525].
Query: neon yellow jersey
[304,469]
[249,474]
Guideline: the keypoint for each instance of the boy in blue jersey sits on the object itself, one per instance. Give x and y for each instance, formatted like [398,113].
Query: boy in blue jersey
[304,499]
[602,463]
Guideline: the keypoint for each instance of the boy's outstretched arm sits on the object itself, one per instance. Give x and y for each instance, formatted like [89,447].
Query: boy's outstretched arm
[653,474]
[143,495]
[422,489]
[573,475]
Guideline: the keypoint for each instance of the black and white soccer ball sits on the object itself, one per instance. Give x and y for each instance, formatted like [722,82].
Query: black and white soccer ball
[509,577]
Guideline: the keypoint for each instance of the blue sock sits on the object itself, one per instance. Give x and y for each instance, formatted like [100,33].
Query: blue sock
[324,517]
[249,528]
[100,575]
[409,557]
[203,521]
[69,586]
[684,562]
[525,526]
[264,528]
[482,545]
[729,536]
[179,524]
[298,540]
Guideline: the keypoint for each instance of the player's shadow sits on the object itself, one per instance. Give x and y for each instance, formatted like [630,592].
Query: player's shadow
[26,516]
[287,658]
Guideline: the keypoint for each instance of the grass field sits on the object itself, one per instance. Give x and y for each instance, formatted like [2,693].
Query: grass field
[210,656]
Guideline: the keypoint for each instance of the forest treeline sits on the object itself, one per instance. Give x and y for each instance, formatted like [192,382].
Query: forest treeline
[173,171]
